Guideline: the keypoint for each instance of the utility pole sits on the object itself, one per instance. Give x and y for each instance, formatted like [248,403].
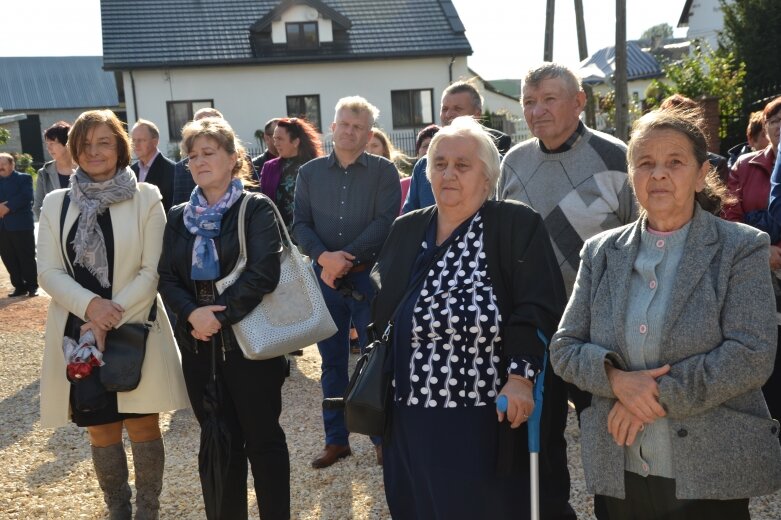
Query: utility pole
[619,79]
[549,12]
[583,52]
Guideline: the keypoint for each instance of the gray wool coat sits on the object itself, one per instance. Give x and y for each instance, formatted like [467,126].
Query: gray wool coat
[720,340]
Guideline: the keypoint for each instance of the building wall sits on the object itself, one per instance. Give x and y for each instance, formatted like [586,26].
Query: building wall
[248,96]
[705,21]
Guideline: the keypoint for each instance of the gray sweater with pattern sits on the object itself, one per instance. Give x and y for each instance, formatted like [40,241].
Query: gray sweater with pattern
[579,193]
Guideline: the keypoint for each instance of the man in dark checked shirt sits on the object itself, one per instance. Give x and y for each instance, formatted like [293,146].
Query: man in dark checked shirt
[344,206]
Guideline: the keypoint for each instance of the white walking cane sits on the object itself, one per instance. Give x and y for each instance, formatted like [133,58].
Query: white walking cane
[533,426]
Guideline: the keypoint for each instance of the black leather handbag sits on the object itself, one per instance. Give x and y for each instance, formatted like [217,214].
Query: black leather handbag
[124,355]
[369,389]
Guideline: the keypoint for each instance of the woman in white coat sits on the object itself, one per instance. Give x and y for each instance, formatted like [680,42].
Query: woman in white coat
[109,236]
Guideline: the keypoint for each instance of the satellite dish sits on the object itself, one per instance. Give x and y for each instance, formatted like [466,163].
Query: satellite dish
[312,14]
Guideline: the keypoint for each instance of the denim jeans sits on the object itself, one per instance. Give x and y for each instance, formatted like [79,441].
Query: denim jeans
[335,351]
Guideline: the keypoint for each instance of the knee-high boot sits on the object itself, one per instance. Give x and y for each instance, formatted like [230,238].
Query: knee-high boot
[149,461]
[111,469]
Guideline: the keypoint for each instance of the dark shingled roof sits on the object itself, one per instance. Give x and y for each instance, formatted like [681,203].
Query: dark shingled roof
[56,82]
[176,33]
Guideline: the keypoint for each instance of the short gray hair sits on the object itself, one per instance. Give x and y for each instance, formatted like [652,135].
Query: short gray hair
[550,70]
[149,125]
[465,87]
[468,126]
[358,105]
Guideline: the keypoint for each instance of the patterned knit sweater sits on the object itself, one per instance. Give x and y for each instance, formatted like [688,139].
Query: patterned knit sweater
[579,192]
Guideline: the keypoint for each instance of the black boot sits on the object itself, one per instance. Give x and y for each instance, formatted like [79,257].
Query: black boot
[149,461]
[111,469]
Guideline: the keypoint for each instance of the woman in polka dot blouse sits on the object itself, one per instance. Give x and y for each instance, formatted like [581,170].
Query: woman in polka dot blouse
[472,289]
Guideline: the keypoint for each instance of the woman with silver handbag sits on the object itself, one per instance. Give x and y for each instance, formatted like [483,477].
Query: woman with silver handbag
[201,246]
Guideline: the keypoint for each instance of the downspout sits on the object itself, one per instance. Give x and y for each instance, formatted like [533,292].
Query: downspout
[133,89]
[450,69]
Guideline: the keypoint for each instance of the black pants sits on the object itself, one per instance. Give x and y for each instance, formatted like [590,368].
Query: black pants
[653,498]
[17,250]
[252,404]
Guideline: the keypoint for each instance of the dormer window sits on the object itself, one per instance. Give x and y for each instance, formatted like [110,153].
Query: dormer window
[302,35]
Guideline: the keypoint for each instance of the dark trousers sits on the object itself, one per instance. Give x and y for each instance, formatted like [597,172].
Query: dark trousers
[17,250]
[252,404]
[653,498]
[335,351]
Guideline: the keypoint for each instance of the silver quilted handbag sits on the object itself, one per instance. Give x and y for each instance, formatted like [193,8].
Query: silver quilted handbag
[292,317]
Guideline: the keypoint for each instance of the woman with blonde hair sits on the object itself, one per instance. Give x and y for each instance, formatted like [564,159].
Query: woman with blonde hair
[201,246]
[98,247]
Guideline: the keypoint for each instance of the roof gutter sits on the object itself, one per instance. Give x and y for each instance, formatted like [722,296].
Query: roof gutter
[450,69]
[133,90]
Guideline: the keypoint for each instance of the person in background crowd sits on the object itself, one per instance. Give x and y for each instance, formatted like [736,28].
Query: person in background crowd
[271,150]
[56,173]
[380,144]
[749,184]
[459,99]
[296,142]
[344,206]
[152,166]
[756,139]
[671,327]
[201,246]
[478,288]
[423,140]
[688,104]
[98,261]
[17,228]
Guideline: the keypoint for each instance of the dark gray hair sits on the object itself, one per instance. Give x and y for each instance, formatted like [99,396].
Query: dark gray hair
[550,70]
[465,87]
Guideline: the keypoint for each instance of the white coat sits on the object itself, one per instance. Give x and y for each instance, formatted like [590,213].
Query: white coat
[138,225]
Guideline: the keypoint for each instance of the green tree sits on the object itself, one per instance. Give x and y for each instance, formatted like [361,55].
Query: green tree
[661,31]
[703,73]
[5,135]
[751,33]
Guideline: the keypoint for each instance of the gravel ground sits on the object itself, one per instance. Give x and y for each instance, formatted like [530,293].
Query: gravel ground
[48,473]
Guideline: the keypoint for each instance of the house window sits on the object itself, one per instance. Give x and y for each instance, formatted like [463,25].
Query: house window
[181,112]
[305,107]
[412,108]
[302,35]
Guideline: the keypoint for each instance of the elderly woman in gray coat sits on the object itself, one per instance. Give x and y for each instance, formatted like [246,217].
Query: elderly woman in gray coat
[671,327]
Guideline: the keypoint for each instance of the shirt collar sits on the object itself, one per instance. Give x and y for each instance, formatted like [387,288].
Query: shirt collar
[333,161]
[147,165]
[570,142]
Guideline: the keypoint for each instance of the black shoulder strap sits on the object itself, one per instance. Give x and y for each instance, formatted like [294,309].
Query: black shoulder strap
[66,201]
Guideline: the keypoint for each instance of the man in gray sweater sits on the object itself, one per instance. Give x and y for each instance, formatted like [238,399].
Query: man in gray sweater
[575,177]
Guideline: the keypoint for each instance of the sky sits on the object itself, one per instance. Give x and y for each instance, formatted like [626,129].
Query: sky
[507,36]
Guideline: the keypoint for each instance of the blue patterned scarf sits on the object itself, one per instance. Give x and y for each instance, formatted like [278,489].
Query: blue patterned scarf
[204,222]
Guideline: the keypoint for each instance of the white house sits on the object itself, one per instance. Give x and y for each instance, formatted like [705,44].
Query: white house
[704,20]
[258,59]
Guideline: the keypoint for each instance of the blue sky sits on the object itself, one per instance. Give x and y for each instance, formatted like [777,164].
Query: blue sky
[506,35]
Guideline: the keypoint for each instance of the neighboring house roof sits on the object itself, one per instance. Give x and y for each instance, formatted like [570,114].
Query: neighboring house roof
[177,33]
[56,82]
[509,87]
[490,87]
[640,64]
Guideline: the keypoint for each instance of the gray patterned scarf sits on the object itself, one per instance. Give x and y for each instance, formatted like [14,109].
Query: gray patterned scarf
[93,198]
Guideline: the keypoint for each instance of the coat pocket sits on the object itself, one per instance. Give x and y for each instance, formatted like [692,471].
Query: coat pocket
[726,454]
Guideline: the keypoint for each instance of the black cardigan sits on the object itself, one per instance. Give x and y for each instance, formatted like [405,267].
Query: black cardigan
[531,296]
[521,262]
